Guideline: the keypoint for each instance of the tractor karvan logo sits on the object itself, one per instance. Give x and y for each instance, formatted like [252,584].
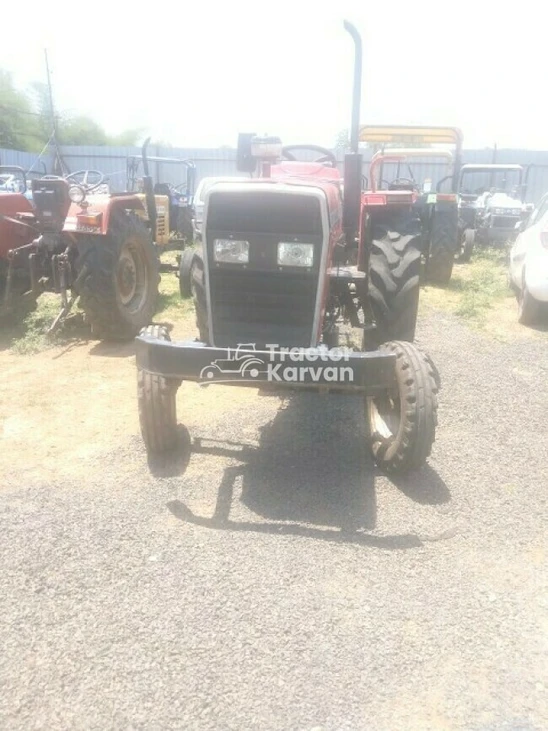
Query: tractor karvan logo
[277,364]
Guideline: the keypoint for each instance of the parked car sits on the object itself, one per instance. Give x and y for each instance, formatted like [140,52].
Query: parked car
[199,198]
[529,265]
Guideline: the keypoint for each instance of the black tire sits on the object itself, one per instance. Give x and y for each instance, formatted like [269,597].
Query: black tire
[199,296]
[185,269]
[157,406]
[125,258]
[528,306]
[467,242]
[444,244]
[394,270]
[402,424]
[184,223]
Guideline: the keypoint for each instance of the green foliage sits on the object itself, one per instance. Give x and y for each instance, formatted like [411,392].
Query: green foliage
[19,123]
[25,121]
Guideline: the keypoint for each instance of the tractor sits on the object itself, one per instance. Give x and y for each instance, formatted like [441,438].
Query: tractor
[287,258]
[174,202]
[437,209]
[490,213]
[75,240]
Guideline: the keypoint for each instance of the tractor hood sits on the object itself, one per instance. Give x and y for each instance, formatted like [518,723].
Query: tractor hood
[502,200]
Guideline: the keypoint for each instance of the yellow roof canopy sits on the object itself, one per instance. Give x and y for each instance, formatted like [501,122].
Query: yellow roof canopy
[411,135]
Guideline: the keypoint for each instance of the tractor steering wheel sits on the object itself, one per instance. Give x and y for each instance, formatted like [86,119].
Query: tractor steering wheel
[326,156]
[406,182]
[82,178]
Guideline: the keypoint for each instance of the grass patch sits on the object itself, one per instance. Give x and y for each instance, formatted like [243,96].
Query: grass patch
[26,331]
[477,289]
[171,307]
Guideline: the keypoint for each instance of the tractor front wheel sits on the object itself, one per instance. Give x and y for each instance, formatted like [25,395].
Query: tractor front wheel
[120,288]
[402,420]
[157,408]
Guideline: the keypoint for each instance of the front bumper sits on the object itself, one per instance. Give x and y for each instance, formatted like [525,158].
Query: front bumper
[368,372]
[497,235]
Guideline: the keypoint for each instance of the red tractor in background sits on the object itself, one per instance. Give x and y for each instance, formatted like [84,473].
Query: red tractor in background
[438,209]
[286,258]
[76,240]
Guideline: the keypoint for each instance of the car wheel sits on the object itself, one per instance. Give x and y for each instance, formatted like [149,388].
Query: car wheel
[528,307]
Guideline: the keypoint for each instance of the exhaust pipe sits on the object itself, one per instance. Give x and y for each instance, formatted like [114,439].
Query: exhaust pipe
[353,160]
[357,87]
[148,189]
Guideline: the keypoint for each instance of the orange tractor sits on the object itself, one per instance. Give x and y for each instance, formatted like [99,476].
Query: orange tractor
[81,242]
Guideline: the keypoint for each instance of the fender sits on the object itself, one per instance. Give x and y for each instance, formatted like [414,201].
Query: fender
[93,217]
[13,234]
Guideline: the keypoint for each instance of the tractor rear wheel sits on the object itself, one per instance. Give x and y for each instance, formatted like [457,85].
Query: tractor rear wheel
[444,244]
[467,241]
[394,270]
[184,223]
[402,420]
[157,406]
[120,290]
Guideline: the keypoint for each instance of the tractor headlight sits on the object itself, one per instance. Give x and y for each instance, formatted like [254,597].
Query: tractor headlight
[295,255]
[76,194]
[230,251]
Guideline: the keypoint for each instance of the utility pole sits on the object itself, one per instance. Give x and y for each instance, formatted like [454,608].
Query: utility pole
[58,163]
[50,91]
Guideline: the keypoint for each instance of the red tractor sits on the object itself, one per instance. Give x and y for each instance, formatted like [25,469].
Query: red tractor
[287,258]
[437,209]
[81,242]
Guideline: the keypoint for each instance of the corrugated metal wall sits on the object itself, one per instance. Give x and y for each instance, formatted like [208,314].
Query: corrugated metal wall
[216,162]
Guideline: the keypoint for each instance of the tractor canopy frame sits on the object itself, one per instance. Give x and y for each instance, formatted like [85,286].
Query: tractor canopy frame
[494,168]
[418,135]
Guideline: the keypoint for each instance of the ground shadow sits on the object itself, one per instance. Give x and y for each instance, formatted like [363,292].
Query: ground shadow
[174,463]
[113,349]
[424,486]
[310,476]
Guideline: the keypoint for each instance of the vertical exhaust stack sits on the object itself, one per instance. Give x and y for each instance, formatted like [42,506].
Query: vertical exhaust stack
[148,189]
[353,160]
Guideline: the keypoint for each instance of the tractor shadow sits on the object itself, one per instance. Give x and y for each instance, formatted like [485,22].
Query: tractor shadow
[310,476]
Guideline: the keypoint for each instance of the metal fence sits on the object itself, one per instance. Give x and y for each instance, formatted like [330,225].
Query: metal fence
[220,161]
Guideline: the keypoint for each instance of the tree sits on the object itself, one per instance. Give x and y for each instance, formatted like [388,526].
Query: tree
[19,127]
[26,124]
[342,142]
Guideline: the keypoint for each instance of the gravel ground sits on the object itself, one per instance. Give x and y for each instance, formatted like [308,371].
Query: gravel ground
[276,580]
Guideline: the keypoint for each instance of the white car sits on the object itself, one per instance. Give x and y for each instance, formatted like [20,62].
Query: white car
[529,265]
[199,198]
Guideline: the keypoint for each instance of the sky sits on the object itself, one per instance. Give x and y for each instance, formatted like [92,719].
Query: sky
[194,74]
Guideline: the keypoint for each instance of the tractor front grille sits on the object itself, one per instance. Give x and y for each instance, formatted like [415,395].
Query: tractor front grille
[262,307]
[505,221]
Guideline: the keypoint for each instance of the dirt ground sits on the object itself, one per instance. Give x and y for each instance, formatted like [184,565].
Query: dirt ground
[274,578]
[64,406]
